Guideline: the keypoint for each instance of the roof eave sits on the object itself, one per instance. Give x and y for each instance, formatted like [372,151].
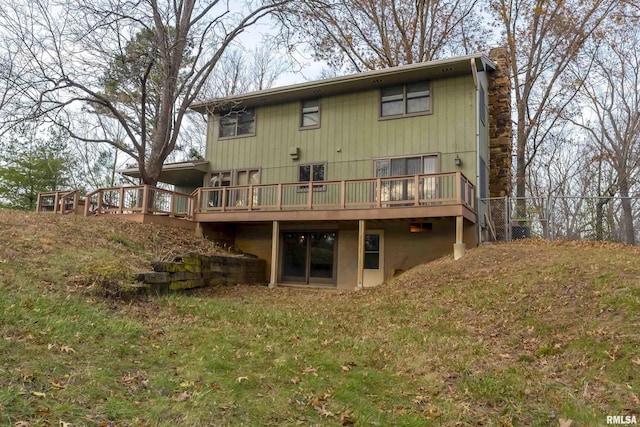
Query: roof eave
[353,82]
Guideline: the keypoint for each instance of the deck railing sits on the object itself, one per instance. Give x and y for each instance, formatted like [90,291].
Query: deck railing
[373,193]
[59,202]
[398,191]
[143,199]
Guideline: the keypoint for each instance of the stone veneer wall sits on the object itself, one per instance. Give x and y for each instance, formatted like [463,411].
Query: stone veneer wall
[194,271]
[500,124]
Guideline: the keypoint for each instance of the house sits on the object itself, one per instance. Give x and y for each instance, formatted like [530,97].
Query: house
[347,181]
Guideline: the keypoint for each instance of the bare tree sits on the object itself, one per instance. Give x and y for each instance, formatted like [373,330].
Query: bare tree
[544,37]
[611,117]
[137,64]
[374,34]
[240,71]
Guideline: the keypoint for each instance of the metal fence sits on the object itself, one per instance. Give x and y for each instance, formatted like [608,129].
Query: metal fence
[613,219]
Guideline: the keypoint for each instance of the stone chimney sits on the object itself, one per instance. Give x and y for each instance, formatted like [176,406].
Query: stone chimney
[500,124]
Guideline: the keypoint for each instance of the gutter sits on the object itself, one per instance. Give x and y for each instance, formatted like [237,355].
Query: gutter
[476,82]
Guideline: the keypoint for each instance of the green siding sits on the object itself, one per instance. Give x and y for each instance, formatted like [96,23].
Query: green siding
[351,135]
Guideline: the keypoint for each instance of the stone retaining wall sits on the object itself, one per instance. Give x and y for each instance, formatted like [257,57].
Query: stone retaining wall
[194,271]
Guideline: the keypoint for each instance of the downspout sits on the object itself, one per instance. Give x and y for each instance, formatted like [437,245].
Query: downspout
[476,82]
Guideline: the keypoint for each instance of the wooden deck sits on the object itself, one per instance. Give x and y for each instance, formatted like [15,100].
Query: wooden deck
[413,196]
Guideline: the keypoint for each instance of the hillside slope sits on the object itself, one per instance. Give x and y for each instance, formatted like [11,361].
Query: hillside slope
[525,333]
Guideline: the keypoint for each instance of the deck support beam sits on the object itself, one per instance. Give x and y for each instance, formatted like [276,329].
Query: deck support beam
[275,249]
[459,248]
[361,233]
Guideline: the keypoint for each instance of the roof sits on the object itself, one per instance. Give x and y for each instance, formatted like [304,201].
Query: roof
[451,67]
[182,174]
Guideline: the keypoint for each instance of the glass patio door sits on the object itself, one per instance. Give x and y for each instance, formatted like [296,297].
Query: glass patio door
[246,177]
[308,257]
[403,189]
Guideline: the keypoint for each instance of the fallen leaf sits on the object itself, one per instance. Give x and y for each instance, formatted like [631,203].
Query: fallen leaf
[240,379]
[346,419]
[67,349]
[565,423]
[21,424]
[420,399]
[183,396]
[38,394]
[322,411]
[310,370]
[295,380]
[63,424]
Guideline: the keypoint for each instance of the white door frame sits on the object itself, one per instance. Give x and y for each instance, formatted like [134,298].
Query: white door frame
[374,277]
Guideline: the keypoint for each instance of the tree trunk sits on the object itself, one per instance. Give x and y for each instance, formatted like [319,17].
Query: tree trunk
[628,231]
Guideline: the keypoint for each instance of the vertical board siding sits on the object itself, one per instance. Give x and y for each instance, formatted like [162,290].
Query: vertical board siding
[351,135]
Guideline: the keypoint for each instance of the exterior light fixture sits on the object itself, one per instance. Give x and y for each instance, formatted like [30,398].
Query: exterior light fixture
[458,160]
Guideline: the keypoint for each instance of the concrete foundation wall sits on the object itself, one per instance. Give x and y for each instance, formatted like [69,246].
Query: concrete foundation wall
[402,249]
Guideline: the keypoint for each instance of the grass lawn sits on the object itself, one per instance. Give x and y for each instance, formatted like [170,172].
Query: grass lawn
[527,333]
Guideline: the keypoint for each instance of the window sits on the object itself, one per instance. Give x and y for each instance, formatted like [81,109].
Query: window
[483,105]
[372,251]
[218,179]
[238,123]
[403,189]
[483,179]
[311,173]
[414,98]
[310,115]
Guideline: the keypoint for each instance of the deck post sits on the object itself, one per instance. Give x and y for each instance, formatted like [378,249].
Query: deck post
[361,232]
[145,198]
[56,201]
[224,198]
[172,198]
[459,248]
[275,248]
[121,204]
[39,203]
[279,198]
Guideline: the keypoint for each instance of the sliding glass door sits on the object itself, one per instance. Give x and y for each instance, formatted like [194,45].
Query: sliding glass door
[403,189]
[309,257]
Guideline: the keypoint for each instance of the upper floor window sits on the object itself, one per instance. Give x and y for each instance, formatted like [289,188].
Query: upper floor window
[310,114]
[311,173]
[238,123]
[414,98]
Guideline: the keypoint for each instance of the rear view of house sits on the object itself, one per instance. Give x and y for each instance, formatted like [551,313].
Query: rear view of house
[347,181]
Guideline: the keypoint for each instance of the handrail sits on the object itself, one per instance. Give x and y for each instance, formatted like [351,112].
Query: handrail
[60,202]
[365,193]
[143,199]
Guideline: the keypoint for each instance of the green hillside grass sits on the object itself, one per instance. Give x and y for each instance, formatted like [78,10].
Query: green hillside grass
[527,333]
